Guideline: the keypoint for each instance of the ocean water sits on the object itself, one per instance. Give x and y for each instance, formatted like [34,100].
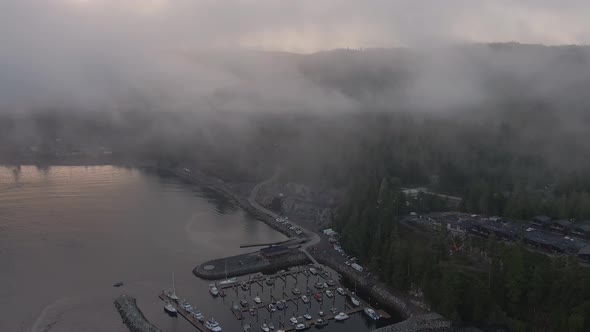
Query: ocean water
[68,233]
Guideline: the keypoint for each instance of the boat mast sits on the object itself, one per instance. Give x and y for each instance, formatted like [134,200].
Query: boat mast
[173,288]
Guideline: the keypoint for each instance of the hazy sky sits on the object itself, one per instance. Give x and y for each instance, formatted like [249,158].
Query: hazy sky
[109,53]
[295,25]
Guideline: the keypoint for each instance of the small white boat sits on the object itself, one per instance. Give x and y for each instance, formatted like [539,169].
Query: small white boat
[271,326]
[296,291]
[321,322]
[247,328]
[300,327]
[313,271]
[340,291]
[228,281]
[371,313]
[307,316]
[257,300]
[355,301]
[321,313]
[213,290]
[264,327]
[305,299]
[341,316]
[272,307]
[170,308]
[212,325]
[293,320]
[329,293]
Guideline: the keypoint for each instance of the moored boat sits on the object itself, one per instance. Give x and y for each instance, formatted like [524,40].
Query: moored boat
[371,313]
[170,308]
[212,325]
[341,316]
[213,290]
[229,281]
[300,327]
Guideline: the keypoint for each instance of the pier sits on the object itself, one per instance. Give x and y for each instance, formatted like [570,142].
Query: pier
[184,313]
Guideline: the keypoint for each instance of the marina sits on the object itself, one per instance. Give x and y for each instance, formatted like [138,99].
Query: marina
[277,300]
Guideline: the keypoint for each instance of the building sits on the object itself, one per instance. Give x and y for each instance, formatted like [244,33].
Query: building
[501,231]
[581,230]
[458,227]
[540,222]
[559,226]
[552,243]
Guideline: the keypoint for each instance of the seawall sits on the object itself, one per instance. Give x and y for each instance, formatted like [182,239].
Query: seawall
[240,265]
[202,179]
[132,315]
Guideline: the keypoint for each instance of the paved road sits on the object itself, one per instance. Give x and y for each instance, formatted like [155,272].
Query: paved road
[313,237]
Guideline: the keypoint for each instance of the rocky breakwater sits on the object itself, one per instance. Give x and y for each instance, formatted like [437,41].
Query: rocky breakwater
[132,315]
[236,192]
[239,265]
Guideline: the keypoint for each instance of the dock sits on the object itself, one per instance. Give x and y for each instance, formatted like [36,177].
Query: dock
[185,314]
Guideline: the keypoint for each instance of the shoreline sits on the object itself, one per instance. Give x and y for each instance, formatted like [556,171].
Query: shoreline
[376,289]
[199,178]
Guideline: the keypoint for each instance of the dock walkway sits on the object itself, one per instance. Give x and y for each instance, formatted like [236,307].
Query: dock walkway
[185,314]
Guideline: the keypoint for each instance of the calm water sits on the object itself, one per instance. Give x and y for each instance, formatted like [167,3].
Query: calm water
[68,233]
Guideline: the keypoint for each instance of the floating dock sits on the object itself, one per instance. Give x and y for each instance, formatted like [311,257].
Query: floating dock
[184,313]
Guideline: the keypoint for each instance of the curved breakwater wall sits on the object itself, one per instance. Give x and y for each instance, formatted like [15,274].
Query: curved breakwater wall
[252,266]
[132,315]
[200,178]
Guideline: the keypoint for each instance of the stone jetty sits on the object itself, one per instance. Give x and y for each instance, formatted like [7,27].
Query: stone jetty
[132,315]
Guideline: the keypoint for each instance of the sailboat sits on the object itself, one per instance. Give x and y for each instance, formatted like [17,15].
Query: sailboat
[172,294]
[227,281]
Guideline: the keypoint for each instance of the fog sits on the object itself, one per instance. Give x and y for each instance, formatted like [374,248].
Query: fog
[233,55]
[234,79]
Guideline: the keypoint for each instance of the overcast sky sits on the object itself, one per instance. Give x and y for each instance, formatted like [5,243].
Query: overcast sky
[296,25]
[98,52]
